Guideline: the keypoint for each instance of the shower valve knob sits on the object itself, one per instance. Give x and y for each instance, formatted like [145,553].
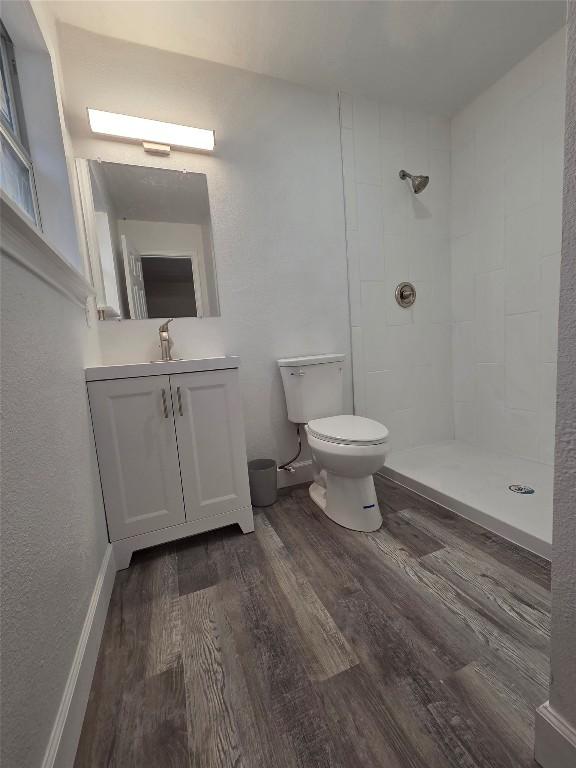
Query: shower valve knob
[405,294]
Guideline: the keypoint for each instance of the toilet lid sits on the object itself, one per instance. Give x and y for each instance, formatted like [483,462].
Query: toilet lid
[350,430]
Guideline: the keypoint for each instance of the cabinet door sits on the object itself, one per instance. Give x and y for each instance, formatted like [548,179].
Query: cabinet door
[211,446]
[137,454]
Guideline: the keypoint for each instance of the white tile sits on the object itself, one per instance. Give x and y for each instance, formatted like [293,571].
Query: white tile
[367,140]
[549,334]
[416,142]
[401,426]
[490,427]
[490,193]
[490,385]
[490,240]
[551,197]
[400,340]
[370,235]
[432,345]
[395,314]
[348,173]
[524,78]
[463,256]
[353,261]
[522,434]
[346,111]
[438,189]
[522,261]
[463,192]
[358,375]
[521,182]
[548,387]
[429,255]
[374,336]
[522,361]
[553,56]
[388,391]
[432,303]
[392,126]
[462,128]
[433,423]
[464,364]
[550,280]
[432,386]
[438,133]
[395,203]
[547,439]
[465,422]
[396,260]
[524,125]
[491,142]
[490,317]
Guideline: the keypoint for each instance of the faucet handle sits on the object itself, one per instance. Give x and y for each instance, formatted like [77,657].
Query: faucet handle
[164,327]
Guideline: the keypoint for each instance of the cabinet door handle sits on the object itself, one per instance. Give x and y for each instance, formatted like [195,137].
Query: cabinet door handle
[164,403]
[179,395]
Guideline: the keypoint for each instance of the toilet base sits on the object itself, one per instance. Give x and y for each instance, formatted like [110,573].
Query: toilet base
[349,501]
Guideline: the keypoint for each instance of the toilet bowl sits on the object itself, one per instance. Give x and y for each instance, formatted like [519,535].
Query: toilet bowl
[347,450]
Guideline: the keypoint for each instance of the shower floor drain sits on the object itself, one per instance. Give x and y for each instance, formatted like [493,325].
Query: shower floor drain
[524,489]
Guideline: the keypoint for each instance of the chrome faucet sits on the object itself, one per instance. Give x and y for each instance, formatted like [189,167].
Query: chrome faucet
[165,341]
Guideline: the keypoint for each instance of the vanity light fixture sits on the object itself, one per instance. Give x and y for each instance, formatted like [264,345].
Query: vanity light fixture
[155,136]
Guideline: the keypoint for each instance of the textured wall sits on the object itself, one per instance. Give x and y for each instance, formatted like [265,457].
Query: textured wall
[563,689]
[276,201]
[53,529]
[402,373]
[53,533]
[507,149]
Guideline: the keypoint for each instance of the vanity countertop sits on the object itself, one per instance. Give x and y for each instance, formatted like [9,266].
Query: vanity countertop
[130,370]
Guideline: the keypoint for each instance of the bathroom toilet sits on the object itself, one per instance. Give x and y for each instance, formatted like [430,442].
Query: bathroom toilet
[346,450]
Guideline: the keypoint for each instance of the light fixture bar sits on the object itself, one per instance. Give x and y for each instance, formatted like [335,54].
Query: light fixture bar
[141,129]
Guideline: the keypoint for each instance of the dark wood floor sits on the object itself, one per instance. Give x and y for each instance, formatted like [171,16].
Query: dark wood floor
[424,645]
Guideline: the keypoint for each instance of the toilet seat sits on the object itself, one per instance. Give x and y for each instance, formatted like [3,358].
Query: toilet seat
[348,430]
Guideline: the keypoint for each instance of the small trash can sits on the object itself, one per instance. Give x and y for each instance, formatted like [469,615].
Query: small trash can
[263,477]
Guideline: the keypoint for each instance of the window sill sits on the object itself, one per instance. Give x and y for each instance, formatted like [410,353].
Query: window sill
[22,242]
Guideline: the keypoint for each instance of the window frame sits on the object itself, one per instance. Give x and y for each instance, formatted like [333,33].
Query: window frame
[13,131]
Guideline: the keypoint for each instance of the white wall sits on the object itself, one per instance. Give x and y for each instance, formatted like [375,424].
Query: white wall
[276,203]
[506,211]
[556,720]
[402,373]
[53,528]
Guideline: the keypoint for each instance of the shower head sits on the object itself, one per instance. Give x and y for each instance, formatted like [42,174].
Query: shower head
[419,183]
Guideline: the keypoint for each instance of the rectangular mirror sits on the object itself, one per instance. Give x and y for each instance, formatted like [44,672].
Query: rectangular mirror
[149,239]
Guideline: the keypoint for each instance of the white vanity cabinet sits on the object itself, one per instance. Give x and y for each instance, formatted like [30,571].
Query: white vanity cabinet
[171,450]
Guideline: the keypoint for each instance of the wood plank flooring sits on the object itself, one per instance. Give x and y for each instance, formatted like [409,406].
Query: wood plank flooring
[422,645]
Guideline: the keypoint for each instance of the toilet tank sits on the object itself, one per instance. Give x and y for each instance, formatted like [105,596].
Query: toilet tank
[313,386]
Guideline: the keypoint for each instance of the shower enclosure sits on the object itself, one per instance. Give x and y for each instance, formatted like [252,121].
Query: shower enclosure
[465,378]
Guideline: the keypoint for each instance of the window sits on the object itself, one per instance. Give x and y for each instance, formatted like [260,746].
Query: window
[16,174]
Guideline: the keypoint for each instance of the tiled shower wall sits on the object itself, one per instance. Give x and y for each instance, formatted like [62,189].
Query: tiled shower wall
[506,152]
[401,357]
[475,358]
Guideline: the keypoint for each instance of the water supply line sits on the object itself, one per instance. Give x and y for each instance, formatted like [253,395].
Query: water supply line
[287,465]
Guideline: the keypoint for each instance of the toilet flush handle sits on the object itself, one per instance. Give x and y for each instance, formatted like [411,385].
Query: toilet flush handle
[300,373]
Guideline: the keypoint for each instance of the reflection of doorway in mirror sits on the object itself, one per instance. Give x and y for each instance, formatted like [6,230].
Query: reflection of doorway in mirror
[173,284]
[134,280]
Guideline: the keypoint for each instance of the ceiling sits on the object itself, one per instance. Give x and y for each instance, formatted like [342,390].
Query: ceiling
[435,55]
[154,194]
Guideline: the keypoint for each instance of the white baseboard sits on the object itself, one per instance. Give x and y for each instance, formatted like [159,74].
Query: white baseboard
[555,739]
[303,473]
[61,749]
